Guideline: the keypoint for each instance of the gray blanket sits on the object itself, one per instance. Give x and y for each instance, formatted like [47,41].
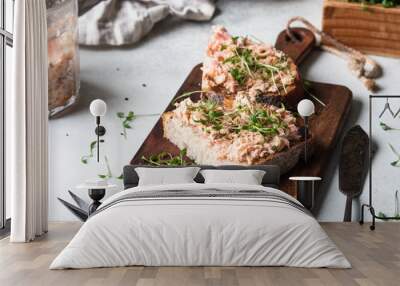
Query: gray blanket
[204,194]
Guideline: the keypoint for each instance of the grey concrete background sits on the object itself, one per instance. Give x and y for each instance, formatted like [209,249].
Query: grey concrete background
[149,74]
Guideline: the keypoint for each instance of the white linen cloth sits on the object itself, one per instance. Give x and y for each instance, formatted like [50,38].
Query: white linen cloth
[27,119]
[200,231]
[121,22]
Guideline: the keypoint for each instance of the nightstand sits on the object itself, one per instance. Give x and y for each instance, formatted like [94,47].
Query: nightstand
[96,191]
[305,186]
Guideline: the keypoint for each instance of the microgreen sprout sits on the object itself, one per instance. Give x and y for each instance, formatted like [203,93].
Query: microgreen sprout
[185,95]
[307,88]
[245,64]
[243,118]
[167,159]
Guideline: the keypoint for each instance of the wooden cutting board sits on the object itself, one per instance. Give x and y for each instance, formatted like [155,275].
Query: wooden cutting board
[325,126]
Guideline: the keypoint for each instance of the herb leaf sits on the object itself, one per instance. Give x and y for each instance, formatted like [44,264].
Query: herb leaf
[256,119]
[92,147]
[307,88]
[130,116]
[385,3]
[126,120]
[382,216]
[239,75]
[397,162]
[186,94]
[386,127]
[167,159]
[245,63]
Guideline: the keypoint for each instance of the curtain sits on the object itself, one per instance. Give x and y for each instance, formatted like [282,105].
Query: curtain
[27,119]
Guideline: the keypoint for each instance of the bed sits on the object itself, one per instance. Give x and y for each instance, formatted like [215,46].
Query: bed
[201,224]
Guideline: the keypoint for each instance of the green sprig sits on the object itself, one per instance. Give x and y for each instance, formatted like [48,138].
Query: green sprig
[397,162]
[385,3]
[126,121]
[382,216]
[307,88]
[167,159]
[260,121]
[109,174]
[245,64]
[385,217]
[212,116]
[86,158]
[184,95]
[386,127]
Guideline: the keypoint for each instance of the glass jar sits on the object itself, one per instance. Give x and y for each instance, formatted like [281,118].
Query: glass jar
[63,54]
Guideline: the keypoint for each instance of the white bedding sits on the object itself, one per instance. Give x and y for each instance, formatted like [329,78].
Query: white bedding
[200,231]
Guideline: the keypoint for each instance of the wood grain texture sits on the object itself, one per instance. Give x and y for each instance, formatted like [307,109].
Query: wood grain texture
[325,126]
[374,255]
[155,142]
[372,29]
[299,49]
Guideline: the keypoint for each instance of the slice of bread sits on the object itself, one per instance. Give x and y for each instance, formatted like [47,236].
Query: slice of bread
[242,117]
[241,65]
[186,128]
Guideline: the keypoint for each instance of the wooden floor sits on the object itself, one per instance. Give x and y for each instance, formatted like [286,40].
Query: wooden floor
[375,257]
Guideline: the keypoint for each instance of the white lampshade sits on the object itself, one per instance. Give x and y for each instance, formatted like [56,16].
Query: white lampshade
[98,107]
[306,108]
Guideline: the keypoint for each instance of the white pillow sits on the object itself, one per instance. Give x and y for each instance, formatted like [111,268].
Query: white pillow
[165,176]
[248,177]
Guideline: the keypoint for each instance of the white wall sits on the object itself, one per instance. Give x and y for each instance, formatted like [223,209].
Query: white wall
[162,61]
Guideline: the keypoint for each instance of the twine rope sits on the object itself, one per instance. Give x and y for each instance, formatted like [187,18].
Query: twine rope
[365,68]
